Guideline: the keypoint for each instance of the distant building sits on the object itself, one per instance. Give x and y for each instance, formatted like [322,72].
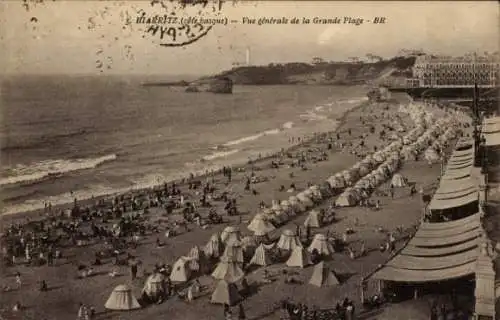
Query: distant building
[442,72]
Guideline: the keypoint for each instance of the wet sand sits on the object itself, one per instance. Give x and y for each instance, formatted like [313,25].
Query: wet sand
[66,291]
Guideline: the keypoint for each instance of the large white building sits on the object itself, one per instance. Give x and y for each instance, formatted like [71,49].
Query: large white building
[431,71]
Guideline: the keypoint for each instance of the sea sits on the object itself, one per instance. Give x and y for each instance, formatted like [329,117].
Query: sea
[66,137]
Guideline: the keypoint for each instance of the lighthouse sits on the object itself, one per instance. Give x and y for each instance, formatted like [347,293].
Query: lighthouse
[247,57]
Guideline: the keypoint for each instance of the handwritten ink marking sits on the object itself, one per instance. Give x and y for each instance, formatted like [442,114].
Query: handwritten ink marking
[184,24]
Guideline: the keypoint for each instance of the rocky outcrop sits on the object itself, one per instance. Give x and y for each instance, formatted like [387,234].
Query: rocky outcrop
[214,85]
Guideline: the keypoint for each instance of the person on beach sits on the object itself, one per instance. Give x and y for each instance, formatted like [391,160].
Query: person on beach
[18,280]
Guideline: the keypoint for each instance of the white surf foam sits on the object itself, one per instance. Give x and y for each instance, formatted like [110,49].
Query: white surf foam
[44,169]
[251,138]
[221,154]
[288,125]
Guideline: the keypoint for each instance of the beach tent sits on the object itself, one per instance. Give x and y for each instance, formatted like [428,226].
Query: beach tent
[346,199]
[305,200]
[227,269]
[313,219]
[180,270]
[230,235]
[122,298]
[275,205]
[431,156]
[398,180]
[260,226]
[234,252]
[225,293]
[154,285]
[261,257]
[336,182]
[213,248]
[285,205]
[298,258]
[296,204]
[320,243]
[198,260]
[288,240]
[249,243]
[314,193]
[322,276]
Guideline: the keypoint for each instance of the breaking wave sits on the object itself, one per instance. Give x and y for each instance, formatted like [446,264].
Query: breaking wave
[49,168]
[221,154]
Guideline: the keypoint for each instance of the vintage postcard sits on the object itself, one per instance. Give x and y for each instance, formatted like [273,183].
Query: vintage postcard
[210,159]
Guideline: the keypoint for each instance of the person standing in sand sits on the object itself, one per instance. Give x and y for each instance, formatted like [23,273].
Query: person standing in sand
[18,280]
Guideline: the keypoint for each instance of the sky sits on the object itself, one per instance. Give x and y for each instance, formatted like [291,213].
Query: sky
[93,37]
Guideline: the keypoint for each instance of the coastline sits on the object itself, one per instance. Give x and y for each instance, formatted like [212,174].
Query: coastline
[37,214]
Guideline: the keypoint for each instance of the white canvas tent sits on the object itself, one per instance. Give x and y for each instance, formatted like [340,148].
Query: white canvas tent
[234,252]
[122,298]
[181,270]
[321,244]
[228,270]
[288,240]
[230,235]
[154,285]
[322,276]
[346,199]
[260,226]
[213,248]
[305,200]
[261,257]
[225,293]
[398,181]
[313,219]
[298,258]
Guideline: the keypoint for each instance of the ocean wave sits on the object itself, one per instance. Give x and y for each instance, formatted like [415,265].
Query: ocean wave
[251,138]
[221,154]
[355,100]
[49,168]
[312,116]
[288,125]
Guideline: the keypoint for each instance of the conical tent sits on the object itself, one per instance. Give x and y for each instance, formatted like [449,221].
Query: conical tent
[213,248]
[261,257]
[288,240]
[322,276]
[225,293]
[298,258]
[313,219]
[198,260]
[122,298]
[321,244]
[399,181]
[249,243]
[230,235]
[260,225]
[228,270]
[234,252]
[154,285]
[180,270]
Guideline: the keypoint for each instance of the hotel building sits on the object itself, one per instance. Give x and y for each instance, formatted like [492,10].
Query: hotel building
[451,72]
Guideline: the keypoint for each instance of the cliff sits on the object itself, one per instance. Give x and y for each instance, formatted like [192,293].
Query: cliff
[384,72]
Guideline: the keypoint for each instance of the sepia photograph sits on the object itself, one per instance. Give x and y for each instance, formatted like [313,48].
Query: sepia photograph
[249,160]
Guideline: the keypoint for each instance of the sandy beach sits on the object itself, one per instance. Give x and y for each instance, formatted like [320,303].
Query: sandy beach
[337,153]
